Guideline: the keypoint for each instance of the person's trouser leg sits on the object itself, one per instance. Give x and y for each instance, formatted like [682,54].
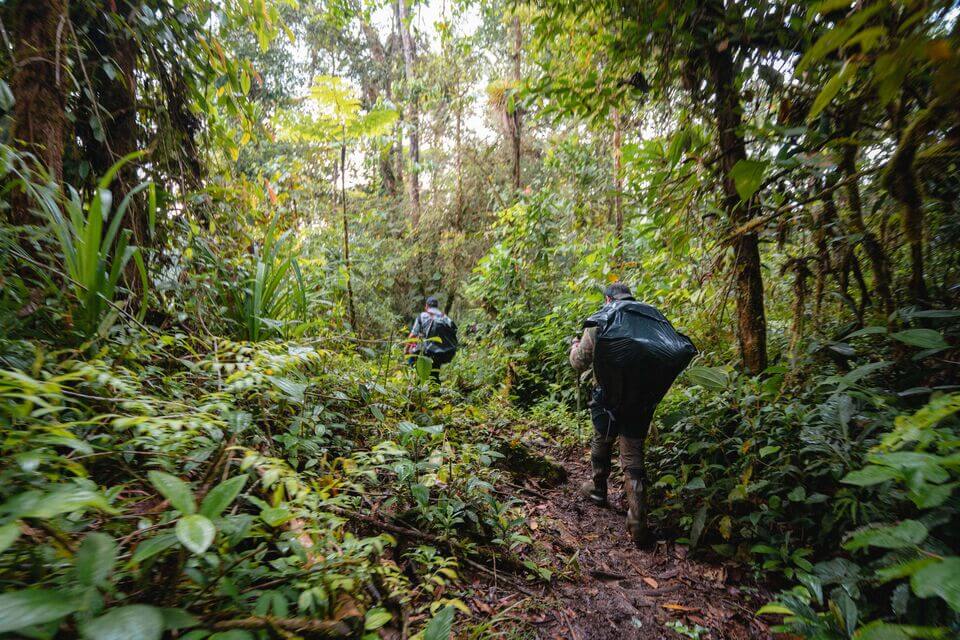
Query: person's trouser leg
[631,459]
[601,454]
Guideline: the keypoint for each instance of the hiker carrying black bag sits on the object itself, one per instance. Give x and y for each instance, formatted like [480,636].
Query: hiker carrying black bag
[636,354]
[436,337]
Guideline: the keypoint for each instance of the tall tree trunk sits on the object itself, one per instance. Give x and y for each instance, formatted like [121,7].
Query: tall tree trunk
[346,232]
[382,82]
[873,249]
[409,58]
[823,224]
[39,86]
[458,218]
[751,319]
[901,181]
[800,289]
[117,99]
[861,283]
[618,182]
[515,129]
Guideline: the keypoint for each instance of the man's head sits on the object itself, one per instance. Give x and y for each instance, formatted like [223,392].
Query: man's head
[432,302]
[617,291]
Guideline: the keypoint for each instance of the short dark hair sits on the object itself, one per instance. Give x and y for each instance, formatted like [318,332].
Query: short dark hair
[617,291]
[433,302]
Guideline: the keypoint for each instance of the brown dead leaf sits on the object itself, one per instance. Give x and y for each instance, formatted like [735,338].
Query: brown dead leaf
[346,608]
[715,574]
[652,583]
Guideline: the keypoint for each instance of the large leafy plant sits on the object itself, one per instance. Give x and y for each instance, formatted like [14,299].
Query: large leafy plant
[94,250]
[909,557]
[266,291]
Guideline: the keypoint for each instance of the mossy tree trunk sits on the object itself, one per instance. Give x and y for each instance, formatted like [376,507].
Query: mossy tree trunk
[728,113]
[39,86]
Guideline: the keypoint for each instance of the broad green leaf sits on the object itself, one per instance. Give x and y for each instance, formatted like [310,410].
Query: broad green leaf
[870,475]
[221,497]
[421,493]
[866,331]
[940,579]
[748,176]
[908,533]
[95,559]
[8,535]
[867,39]
[424,367]
[440,626]
[879,630]
[152,546]
[376,618]
[886,574]
[63,499]
[836,37]
[6,97]
[828,6]
[709,377]
[935,313]
[813,584]
[765,549]
[928,496]
[196,532]
[293,390]
[696,528]
[20,609]
[917,466]
[923,338]
[847,608]
[174,619]
[864,371]
[276,516]
[175,490]
[832,88]
[138,621]
[774,608]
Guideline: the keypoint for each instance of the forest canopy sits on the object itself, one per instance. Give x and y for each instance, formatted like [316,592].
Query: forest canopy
[219,221]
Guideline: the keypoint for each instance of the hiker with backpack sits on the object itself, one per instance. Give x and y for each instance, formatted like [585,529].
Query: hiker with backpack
[433,335]
[636,354]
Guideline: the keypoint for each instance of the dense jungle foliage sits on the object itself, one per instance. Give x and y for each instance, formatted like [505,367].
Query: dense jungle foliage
[218,220]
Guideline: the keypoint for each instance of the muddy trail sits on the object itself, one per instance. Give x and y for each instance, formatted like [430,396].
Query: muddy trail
[604,587]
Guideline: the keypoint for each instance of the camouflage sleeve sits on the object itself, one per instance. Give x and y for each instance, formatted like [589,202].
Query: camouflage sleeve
[581,353]
[417,328]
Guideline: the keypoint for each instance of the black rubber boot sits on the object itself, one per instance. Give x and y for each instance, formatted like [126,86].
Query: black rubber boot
[637,511]
[595,492]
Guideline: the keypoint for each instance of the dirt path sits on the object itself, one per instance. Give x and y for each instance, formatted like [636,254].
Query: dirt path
[613,590]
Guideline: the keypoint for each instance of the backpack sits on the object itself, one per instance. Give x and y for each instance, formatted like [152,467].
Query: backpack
[637,357]
[445,329]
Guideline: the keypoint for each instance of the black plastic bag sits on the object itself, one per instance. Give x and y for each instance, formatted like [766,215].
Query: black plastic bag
[446,330]
[637,357]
